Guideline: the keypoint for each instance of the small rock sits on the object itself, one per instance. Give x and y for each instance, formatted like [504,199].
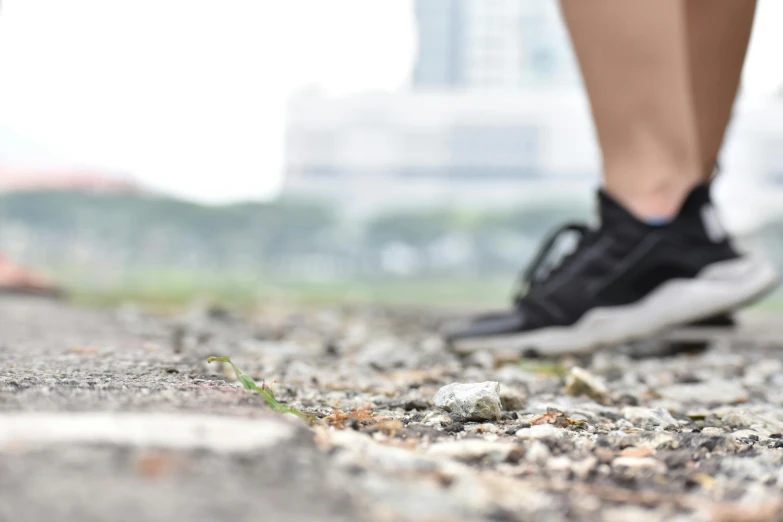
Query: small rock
[472,450]
[677,459]
[415,404]
[745,434]
[757,374]
[512,399]
[483,428]
[649,417]
[481,359]
[697,414]
[627,514]
[474,401]
[384,354]
[639,463]
[637,452]
[582,382]
[712,431]
[436,418]
[559,464]
[583,468]
[454,427]
[538,452]
[299,372]
[539,432]
[740,418]
[604,455]
[656,439]
[712,392]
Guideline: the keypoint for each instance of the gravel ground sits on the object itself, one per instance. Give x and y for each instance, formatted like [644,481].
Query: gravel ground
[117,416]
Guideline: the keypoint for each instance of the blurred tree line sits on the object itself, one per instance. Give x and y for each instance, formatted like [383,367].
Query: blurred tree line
[107,233]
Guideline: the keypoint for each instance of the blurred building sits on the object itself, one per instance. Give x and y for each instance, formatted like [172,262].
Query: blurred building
[495,98]
[377,151]
[498,44]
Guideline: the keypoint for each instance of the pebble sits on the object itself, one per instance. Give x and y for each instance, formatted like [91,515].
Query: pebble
[649,417]
[582,382]
[512,399]
[745,434]
[711,392]
[436,418]
[540,432]
[741,418]
[473,401]
[559,464]
[470,450]
[482,359]
[639,463]
[483,428]
[583,468]
[538,452]
[384,355]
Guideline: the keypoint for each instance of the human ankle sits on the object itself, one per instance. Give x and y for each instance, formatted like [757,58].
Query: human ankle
[652,203]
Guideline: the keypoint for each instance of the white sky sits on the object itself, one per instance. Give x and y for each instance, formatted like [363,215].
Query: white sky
[188,96]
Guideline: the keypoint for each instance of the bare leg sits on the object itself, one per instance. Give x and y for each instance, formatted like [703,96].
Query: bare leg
[718,34]
[634,61]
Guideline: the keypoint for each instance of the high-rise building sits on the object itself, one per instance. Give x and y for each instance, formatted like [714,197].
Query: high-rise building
[491,44]
[440,26]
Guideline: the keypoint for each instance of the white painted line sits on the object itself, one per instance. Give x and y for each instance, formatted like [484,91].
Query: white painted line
[157,430]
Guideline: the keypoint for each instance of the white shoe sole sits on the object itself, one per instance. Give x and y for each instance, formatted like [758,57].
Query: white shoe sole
[719,288]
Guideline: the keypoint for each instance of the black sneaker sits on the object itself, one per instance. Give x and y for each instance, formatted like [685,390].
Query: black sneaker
[624,281]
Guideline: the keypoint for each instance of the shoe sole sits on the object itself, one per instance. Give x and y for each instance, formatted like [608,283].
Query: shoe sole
[719,288]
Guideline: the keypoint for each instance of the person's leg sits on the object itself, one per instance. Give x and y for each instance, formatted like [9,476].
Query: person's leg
[634,61]
[718,32]
[659,258]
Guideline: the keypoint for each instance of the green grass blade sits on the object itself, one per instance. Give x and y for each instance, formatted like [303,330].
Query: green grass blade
[249,384]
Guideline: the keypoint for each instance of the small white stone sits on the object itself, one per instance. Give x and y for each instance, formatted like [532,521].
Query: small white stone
[744,434]
[540,432]
[474,401]
[538,452]
[639,463]
[712,392]
[470,450]
[765,425]
[436,418]
[583,467]
[582,382]
[483,428]
[646,417]
[483,359]
[559,464]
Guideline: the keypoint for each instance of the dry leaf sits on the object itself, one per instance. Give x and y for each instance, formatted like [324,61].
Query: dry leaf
[338,417]
[547,418]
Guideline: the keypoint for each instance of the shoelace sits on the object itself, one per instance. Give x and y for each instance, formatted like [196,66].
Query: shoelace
[542,268]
